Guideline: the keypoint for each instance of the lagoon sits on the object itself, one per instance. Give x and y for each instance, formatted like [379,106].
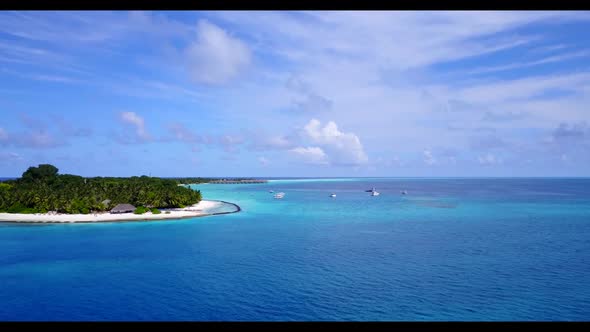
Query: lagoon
[451,249]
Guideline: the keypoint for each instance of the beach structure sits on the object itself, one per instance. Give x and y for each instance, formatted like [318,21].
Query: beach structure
[123,208]
[106,202]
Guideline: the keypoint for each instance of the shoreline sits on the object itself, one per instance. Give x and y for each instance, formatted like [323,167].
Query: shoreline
[193,211]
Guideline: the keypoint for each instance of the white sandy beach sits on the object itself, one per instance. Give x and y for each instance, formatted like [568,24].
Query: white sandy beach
[196,210]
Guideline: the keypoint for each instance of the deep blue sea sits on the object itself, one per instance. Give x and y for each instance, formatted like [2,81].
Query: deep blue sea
[449,250]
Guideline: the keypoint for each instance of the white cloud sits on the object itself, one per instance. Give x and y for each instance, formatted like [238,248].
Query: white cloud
[10,156]
[550,59]
[342,148]
[229,139]
[523,88]
[298,84]
[40,140]
[335,46]
[312,103]
[41,77]
[263,161]
[308,100]
[394,39]
[230,143]
[36,138]
[312,155]
[261,140]
[136,121]
[216,57]
[182,133]
[393,161]
[428,157]
[564,158]
[3,135]
[373,66]
[383,103]
[489,159]
[278,142]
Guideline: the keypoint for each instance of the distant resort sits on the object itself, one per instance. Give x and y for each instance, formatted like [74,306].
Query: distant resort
[237,181]
[187,181]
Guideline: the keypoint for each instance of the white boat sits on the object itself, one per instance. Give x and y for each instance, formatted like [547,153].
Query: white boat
[333,195]
[374,193]
[279,195]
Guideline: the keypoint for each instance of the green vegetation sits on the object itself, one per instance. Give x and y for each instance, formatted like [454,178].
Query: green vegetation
[140,210]
[203,180]
[155,211]
[191,180]
[19,208]
[42,189]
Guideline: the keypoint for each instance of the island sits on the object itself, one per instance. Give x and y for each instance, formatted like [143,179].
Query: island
[41,194]
[187,181]
[237,181]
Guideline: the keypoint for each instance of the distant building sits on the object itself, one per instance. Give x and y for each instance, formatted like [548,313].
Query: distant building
[123,208]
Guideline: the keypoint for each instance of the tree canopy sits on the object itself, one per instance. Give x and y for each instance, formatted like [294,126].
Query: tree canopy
[42,173]
[42,189]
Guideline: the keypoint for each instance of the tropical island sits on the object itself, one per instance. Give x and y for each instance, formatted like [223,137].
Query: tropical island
[41,194]
[183,181]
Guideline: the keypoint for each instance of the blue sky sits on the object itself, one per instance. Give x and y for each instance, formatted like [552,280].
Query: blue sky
[296,93]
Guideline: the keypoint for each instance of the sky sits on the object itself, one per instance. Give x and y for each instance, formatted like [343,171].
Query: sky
[315,93]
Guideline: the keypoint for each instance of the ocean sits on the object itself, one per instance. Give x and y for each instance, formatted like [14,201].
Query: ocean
[449,250]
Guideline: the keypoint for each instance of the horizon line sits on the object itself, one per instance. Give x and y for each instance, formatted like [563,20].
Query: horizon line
[338,177]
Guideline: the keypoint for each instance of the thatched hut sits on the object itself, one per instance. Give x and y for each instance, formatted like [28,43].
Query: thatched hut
[123,208]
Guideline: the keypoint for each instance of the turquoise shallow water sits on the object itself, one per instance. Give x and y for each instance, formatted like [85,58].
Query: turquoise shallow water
[452,249]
